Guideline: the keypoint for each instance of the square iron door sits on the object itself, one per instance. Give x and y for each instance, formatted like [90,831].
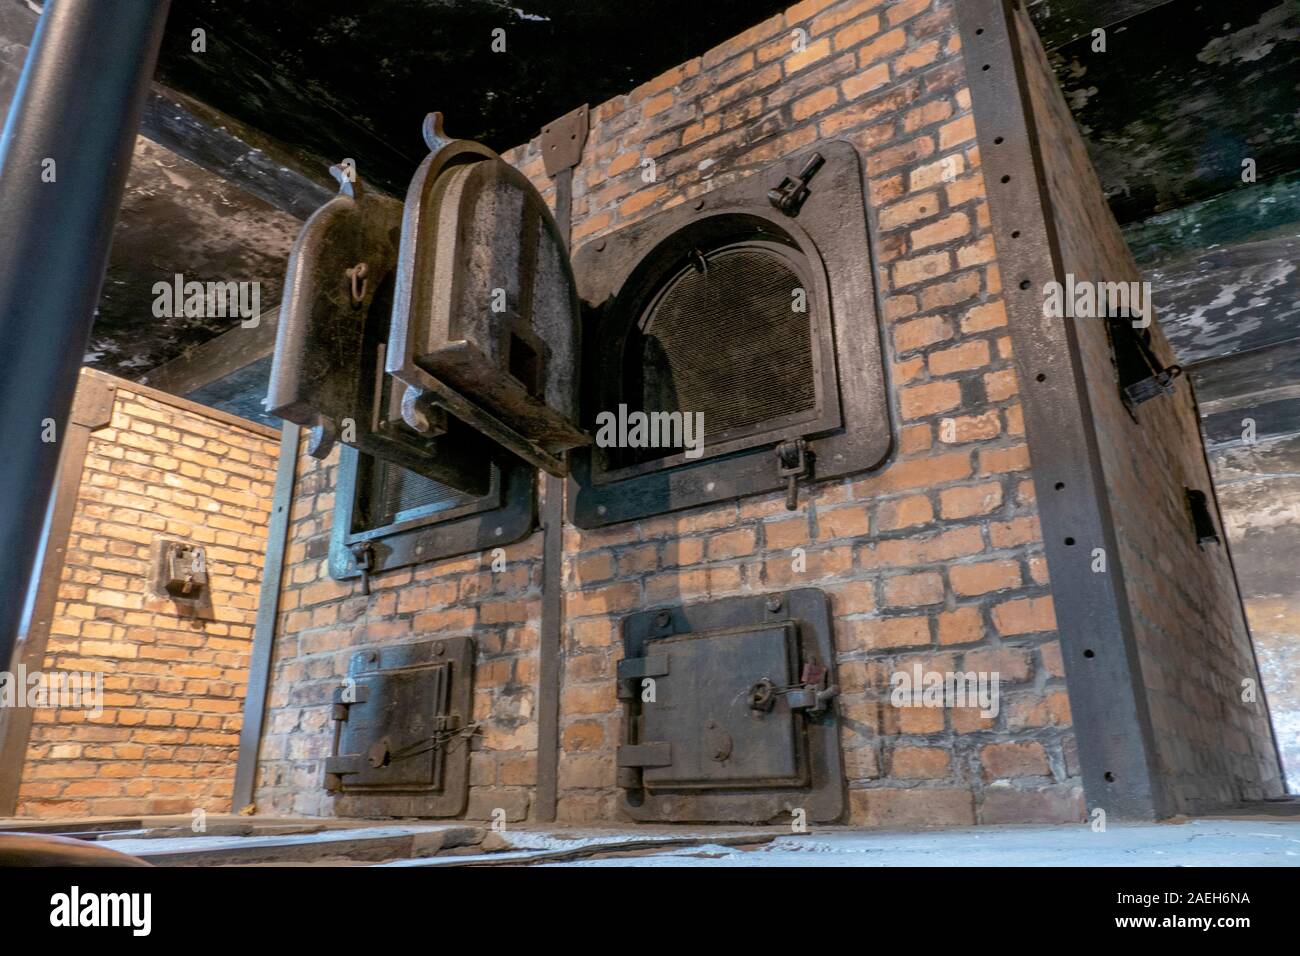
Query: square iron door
[702,706]
[401,744]
[729,711]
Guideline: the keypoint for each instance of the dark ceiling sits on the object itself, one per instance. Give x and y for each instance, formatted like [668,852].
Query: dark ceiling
[342,78]
[1182,94]
[1185,90]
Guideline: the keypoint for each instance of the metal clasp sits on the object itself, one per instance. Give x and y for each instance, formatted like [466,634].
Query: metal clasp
[794,461]
[363,554]
[790,196]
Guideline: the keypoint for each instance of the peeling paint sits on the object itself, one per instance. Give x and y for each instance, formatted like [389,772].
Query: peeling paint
[1253,42]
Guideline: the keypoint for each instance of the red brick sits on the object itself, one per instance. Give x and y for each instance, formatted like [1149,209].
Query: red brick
[913,590]
[972,579]
[920,762]
[913,808]
[904,513]
[1001,761]
[961,626]
[969,501]
[960,358]
[1025,616]
[918,401]
[919,333]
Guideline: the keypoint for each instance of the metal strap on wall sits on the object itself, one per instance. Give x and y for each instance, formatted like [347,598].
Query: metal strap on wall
[1112,722]
[562,144]
[268,613]
[92,409]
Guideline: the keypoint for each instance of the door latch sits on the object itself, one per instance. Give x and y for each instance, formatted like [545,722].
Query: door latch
[811,693]
[794,461]
[363,554]
[791,194]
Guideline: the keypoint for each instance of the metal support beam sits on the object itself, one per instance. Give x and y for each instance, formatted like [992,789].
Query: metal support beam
[562,145]
[1112,721]
[64,156]
[268,613]
[216,358]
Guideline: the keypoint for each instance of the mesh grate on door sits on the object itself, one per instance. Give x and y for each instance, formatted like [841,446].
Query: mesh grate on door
[395,494]
[724,337]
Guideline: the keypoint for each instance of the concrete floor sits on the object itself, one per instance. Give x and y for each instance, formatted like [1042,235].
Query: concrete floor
[1267,839]
[1195,843]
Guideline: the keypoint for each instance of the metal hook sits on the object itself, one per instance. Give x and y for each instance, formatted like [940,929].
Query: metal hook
[358,272]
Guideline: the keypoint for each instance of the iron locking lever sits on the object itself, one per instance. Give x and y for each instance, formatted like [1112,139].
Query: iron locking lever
[794,461]
[363,554]
[791,194]
[811,693]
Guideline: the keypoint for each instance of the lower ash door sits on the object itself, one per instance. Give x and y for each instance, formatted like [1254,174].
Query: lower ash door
[401,744]
[729,711]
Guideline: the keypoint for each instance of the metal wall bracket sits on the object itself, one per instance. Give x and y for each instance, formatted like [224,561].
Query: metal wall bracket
[563,141]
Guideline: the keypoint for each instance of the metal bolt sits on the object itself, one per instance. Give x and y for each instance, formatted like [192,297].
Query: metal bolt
[699,204]
[774,604]
[662,619]
[600,245]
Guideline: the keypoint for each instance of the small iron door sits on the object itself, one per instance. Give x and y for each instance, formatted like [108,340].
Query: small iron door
[720,736]
[729,711]
[402,731]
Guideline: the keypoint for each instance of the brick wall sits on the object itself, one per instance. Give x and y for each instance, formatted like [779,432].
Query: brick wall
[173,683]
[1194,648]
[934,557]
[323,622]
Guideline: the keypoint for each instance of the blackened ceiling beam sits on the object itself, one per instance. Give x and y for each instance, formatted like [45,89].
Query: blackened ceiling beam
[290,180]
[1061,21]
[216,359]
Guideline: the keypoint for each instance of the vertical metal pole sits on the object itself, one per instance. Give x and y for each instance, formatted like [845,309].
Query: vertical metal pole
[268,613]
[64,155]
[562,145]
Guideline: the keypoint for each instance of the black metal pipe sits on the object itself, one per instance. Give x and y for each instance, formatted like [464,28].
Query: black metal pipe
[64,155]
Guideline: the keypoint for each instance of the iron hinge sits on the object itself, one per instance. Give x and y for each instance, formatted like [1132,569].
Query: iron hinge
[657,754]
[1142,376]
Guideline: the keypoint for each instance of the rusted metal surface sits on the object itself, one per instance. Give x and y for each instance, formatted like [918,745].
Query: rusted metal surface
[327,374]
[402,732]
[847,427]
[268,613]
[503,515]
[729,711]
[485,313]
[568,136]
[563,141]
